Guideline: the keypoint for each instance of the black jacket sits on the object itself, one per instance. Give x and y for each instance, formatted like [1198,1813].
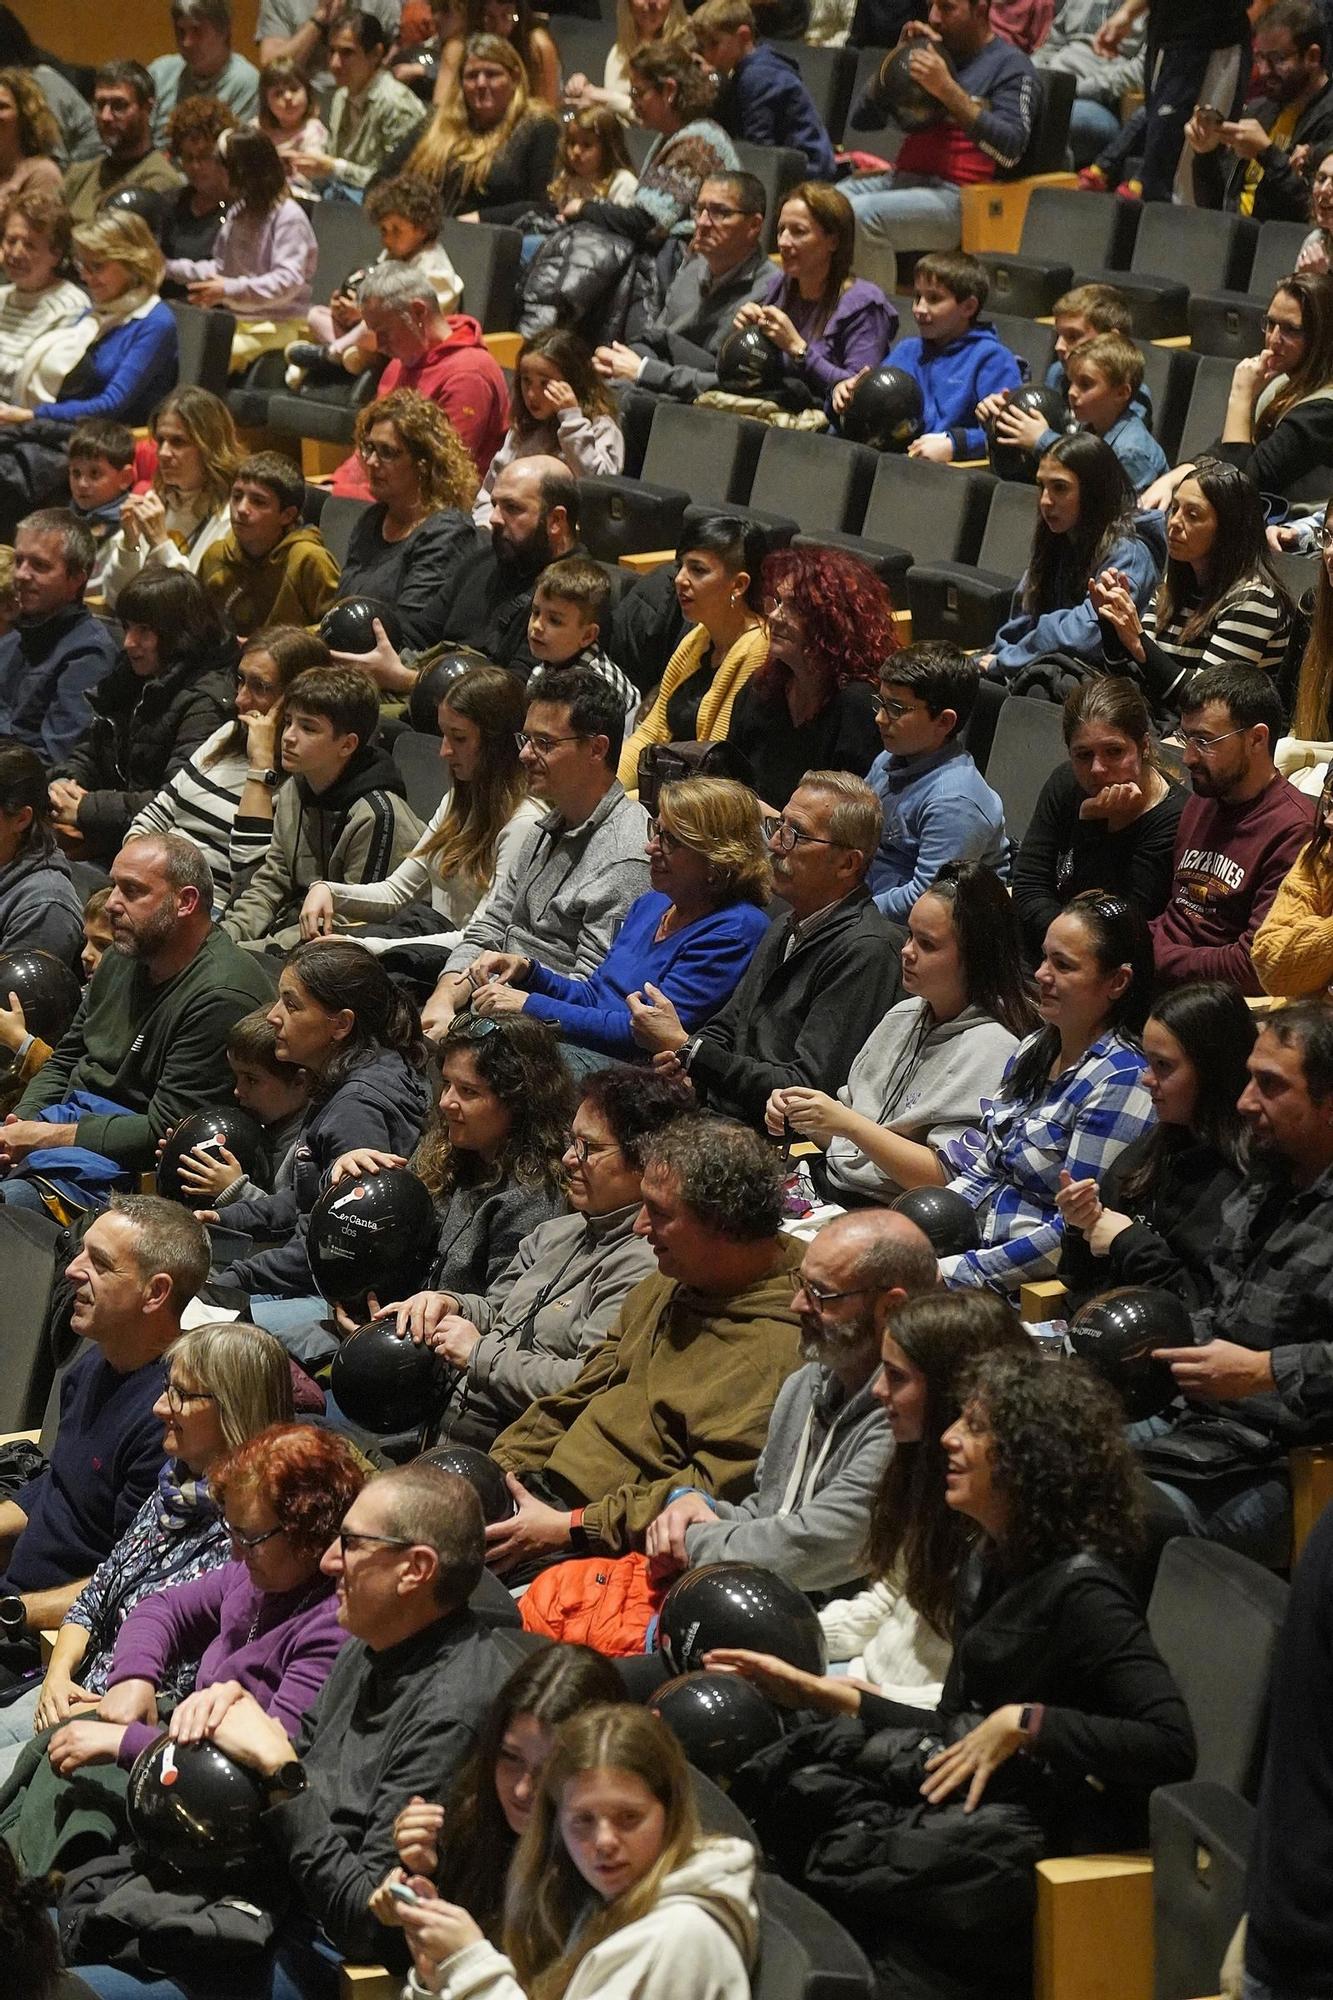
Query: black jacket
[142,732]
[1063,854]
[415,575]
[1283,195]
[519,177]
[800,1019]
[1171,1241]
[489,607]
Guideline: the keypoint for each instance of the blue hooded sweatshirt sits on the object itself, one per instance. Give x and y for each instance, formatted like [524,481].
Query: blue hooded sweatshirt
[1023,637]
[937,808]
[766,104]
[955,377]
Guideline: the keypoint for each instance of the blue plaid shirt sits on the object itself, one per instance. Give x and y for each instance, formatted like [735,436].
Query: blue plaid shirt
[1010,1170]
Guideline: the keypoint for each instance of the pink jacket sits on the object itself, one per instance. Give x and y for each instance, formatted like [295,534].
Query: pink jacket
[266,262]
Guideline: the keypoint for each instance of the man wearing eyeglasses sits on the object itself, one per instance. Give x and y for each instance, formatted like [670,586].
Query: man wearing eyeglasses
[123,96]
[676,353]
[1245,164]
[1238,834]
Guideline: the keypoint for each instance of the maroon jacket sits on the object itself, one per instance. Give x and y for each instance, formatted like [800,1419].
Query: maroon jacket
[1229,862]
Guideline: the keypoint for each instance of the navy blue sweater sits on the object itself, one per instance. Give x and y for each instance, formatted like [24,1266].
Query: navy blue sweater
[765,103]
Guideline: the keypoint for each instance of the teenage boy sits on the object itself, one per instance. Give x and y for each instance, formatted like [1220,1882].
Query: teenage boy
[270,569]
[956,359]
[764,101]
[937,806]
[338,816]
[277,1094]
[570,606]
[1105,374]
[101,473]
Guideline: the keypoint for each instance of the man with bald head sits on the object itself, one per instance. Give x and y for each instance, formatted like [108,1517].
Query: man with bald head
[534,519]
[827,1442]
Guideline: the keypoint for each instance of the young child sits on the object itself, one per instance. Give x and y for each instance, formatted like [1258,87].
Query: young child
[101,473]
[1078,314]
[271,569]
[956,358]
[341,818]
[289,114]
[592,162]
[570,606]
[96,932]
[276,1093]
[1105,374]
[406,210]
[764,102]
[559,409]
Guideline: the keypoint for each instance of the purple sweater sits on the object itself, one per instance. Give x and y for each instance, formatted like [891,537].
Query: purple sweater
[266,263]
[857,333]
[296,1638]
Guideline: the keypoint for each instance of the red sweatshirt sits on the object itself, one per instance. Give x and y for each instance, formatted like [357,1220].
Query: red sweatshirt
[1229,863]
[463,377]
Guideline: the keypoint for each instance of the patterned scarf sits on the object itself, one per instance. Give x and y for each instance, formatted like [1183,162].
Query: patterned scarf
[183,1502]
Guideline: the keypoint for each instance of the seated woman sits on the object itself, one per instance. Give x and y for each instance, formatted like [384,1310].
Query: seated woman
[29,136]
[1316,253]
[559,410]
[473,841]
[690,938]
[1106,819]
[1293,946]
[1220,602]
[219,797]
[1154,1220]
[665,1912]
[1279,422]
[490,145]
[406,546]
[224,1384]
[40,909]
[1085,524]
[922,1078]
[717,589]
[511,21]
[637,22]
[172,685]
[263,261]
[827,322]
[1073,1096]
[465,1845]
[189,219]
[1051,1656]
[38,296]
[185,510]
[811,706]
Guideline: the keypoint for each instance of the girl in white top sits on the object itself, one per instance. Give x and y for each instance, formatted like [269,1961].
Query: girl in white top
[560,409]
[636,21]
[474,838]
[613,1892]
[176,522]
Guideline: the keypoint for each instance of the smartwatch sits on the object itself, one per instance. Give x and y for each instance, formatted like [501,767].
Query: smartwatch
[288,1782]
[268,778]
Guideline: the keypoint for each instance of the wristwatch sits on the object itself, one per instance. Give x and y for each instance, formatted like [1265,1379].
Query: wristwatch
[288,1782]
[1030,1719]
[269,778]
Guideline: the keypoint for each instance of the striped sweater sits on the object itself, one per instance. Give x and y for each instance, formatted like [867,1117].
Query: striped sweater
[201,801]
[1249,629]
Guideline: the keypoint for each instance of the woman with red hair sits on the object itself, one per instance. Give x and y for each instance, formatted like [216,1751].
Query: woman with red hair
[811,706]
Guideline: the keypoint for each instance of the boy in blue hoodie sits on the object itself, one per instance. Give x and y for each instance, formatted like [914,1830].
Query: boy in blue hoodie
[957,360]
[937,806]
[1105,375]
[764,100]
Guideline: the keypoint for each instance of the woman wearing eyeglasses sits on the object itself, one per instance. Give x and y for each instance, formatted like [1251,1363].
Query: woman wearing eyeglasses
[223,1384]
[1220,602]
[688,940]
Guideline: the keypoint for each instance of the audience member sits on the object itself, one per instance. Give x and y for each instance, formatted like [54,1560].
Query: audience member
[1238,835]
[39,908]
[1105,819]
[1072,1098]
[637,21]
[29,137]
[920,1081]
[274,1092]
[372,116]
[1174,1180]
[522,28]
[123,99]
[571,607]
[490,144]
[1100,83]
[937,806]
[73,114]
[1292,950]
[1105,377]
[185,511]
[764,101]
[32,1945]
[1245,164]
[101,470]
[592,1465]
[1197,53]
[1312,699]
[37,300]
[206,65]
[296,32]
[827,323]
[820,980]
[406,211]
[1314,253]
[812,703]
[592,163]
[534,522]
[270,568]
[558,410]
[190,217]
[57,651]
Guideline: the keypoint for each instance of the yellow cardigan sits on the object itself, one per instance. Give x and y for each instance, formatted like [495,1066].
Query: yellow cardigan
[1293,946]
[734,670]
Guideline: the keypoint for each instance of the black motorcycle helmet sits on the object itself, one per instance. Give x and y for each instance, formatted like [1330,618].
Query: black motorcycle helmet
[196,1811]
[943,1215]
[481,1473]
[909,106]
[749,363]
[1118,1336]
[886,411]
[384,1382]
[349,625]
[372,1233]
[738,1604]
[48,991]
[224,1124]
[433,683]
[1015,462]
[719,1720]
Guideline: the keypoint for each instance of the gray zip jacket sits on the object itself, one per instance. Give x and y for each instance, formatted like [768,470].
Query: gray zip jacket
[817,1475]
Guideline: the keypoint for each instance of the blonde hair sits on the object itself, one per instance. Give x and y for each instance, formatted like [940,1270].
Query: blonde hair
[449,140]
[548,1929]
[1118,359]
[444,466]
[39,132]
[113,233]
[246,1369]
[628,37]
[602,123]
[720,819]
[209,425]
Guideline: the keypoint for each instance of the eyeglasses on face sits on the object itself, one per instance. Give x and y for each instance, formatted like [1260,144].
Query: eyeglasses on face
[822,1296]
[249,1542]
[177,1398]
[543,745]
[387,454]
[349,1537]
[1282,326]
[583,1149]
[670,843]
[1195,739]
[895,710]
[782,834]
[715,211]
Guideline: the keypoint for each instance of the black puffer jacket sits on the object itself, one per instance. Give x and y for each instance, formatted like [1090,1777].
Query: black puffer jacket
[597,280]
[142,732]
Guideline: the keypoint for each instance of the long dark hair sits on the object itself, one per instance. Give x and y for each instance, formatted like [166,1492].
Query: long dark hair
[1237,561]
[175,605]
[1119,936]
[1060,565]
[989,943]
[339,974]
[1313,293]
[476,1845]
[24,782]
[517,1057]
[1216,1030]
[912,1532]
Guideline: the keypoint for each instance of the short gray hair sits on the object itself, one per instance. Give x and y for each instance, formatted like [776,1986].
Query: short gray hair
[396,288]
[77,548]
[428,1505]
[184,865]
[729,1176]
[857,819]
[167,1240]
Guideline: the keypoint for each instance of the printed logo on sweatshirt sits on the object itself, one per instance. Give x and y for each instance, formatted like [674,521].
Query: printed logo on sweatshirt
[1204,876]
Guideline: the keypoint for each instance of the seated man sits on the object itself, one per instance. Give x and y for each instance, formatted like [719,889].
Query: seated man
[822,977]
[339,815]
[989,101]
[676,353]
[148,1044]
[682,1389]
[534,520]
[1099,81]
[123,96]
[56,651]
[205,65]
[1245,164]
[937,806]
[764,101]
[137,1268]
[398,1716]
[582,865]
[1238,834]
[1266,1358]
[271,568]
[556,1301]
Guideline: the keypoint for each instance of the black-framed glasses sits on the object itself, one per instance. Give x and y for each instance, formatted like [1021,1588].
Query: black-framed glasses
[583,1149]
[784,835]
[895,710]
[821,1294]
[715,211]
[1195,739]
[249,1542]
[177,1398]
[347,1537]
[670,843]
[387,454]
[544,745]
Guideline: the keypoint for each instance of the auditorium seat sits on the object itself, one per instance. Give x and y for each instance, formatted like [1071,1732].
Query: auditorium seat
[966,603]
[1178,251]
[1064,229]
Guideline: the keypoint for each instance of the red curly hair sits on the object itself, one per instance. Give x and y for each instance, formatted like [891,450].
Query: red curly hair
[846,611]
[308,1477]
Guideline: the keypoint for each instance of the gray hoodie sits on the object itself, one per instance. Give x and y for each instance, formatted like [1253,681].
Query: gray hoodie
[40,908]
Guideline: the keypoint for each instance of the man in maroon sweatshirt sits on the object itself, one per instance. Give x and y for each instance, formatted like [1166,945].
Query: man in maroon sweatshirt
[1238,835]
